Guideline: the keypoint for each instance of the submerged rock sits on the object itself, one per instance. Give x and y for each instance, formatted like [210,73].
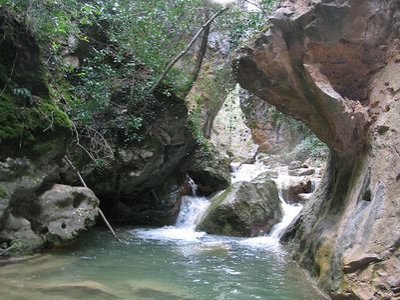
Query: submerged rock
[244,209]
[157,289]
[78,290]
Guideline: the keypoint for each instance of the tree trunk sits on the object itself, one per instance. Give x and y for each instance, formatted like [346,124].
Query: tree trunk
[200,55]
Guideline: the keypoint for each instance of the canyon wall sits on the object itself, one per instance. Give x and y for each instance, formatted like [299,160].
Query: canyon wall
[334,65]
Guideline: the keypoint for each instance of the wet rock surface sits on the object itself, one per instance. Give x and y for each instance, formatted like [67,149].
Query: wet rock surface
[34,212]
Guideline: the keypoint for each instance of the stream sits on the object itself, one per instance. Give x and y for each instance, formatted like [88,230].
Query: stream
[173,262]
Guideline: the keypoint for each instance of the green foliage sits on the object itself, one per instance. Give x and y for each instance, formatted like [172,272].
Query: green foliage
[240,24]
[21,247]
[219,84]
[123,46]
[3,192]
[310,147]
[54,20]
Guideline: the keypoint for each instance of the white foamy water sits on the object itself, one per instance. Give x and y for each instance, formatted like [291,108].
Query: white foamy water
[168,233]
[193,209]
[191,212]
[289,211]
[246,172]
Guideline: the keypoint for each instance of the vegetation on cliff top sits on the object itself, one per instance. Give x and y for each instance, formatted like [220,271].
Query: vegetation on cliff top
[104,57]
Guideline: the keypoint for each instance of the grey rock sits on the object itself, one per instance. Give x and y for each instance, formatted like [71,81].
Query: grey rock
[244,209]
[65,211]
[302,172]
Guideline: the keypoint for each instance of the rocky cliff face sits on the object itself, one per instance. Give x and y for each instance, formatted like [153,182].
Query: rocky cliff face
[334,65]
[269,131]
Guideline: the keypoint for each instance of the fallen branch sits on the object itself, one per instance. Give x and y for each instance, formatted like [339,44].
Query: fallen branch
[85,185]
[182,53]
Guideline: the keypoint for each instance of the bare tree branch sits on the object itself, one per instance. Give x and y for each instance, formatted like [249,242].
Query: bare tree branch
[182,53]
[85,185]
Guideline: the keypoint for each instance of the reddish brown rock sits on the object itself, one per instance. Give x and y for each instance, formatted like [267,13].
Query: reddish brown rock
[334,65]
[291,193]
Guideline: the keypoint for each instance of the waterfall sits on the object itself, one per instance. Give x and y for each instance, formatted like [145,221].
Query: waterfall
[289,211]
[191,212]
[194,207]
[246,172]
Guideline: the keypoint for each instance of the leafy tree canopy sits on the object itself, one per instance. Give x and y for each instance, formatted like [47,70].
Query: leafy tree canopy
[123,46]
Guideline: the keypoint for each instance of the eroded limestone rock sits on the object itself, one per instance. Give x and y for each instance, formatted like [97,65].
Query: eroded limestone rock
[65,211]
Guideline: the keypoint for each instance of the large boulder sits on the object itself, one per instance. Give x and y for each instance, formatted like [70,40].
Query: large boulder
[291,192]
[244,209]
[138,184]
[33,211]
[65,211]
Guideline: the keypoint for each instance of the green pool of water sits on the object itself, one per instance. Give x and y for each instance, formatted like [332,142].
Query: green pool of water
[205,267]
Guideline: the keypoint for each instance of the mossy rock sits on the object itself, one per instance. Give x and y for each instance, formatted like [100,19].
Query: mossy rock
[244,209]
[3,192]
[27,122]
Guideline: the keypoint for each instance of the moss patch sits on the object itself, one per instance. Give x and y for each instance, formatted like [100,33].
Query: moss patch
[323,258]
[3,192]
[27,122]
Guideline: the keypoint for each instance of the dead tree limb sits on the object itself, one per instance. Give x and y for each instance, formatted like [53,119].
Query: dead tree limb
[183,52]
[85,185]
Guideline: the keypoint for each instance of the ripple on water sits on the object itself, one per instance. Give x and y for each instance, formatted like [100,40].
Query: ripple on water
[209,267]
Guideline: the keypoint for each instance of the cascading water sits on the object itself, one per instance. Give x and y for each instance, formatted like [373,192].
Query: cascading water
[289,211]
[191,211]
[247,172]
[222,267]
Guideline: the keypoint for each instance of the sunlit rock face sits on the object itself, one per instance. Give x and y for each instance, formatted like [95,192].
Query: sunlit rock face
[231,133]
[334,65]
